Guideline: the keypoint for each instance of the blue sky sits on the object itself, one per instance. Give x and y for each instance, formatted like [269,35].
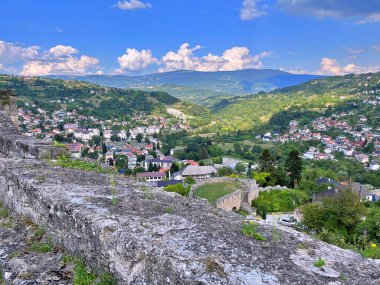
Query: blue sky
[138,36]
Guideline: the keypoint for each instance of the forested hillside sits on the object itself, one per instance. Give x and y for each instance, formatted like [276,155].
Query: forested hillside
[87,98]
[314,97]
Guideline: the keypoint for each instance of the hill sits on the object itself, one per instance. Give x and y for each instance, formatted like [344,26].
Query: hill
[92,99]
[196,86]
[249,112]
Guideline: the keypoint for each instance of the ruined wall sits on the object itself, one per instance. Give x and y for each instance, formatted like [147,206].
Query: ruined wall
[252,195]
[248,191]
[140,241]
[230,202]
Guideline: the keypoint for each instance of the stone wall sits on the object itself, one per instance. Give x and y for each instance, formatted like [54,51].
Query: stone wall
[155,237]
[248,191]
[230,202]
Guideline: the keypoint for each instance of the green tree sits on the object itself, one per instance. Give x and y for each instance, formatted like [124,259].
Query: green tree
[189,180]
[294,166]
[240,168]
[174,168]
[342,212]
[225,171]
[139,137]
[104,148]
[262,178]
[204,153]
[96,140]
[266,162]
[94,155]
[115,138]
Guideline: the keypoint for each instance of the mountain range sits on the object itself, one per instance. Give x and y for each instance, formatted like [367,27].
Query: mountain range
[200,86]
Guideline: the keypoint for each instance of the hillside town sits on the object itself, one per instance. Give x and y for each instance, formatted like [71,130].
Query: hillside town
[337,136]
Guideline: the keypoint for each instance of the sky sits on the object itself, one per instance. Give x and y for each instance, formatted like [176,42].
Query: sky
[133,37]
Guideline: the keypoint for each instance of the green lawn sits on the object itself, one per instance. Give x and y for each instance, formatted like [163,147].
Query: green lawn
[213,191]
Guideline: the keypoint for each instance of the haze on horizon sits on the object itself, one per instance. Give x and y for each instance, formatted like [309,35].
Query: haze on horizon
[135,37]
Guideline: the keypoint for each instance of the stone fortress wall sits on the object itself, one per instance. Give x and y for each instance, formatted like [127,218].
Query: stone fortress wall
[247,192]
[139,242]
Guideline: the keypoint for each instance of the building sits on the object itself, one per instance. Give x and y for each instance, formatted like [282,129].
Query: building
[197,172]
[150,176]
[160,163]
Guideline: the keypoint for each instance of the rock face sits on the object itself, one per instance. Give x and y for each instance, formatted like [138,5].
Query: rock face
[13,144]
[20,265]
[153,237]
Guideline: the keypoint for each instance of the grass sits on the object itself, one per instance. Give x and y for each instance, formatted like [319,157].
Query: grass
[5,219]
[4,213]
[168,210]
[320,262]
[249,229]
[83,276]
[214,191]
[67,162]
[39,242]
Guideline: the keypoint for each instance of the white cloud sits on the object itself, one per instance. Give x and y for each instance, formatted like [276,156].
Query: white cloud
[331,66]
[70,65]
[132,5]
[134,60]
[372,18]
[353,51]
[236,58]
[32,60]
[61,50]
[250,10]
[11,53]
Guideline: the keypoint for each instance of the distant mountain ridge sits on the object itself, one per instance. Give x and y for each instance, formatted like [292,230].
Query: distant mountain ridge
[197,85]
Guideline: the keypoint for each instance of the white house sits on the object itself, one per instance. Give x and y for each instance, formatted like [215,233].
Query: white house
[107,134]
[150,176]
[195,171]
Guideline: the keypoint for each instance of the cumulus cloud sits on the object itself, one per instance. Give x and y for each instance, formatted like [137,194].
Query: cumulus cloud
[330,66]
[365,11]
[70,65]
[132,5]
[250,10]
[61,50]
[134,60]
[235,58]
[32,60]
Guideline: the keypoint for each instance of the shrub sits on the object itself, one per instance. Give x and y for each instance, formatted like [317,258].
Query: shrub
[342,212]
[280,200]
[178,188]
[249,229]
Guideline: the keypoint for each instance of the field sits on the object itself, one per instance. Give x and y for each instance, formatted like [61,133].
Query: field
[213,191]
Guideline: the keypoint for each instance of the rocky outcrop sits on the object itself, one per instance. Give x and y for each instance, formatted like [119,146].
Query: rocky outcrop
[154,237]
[20,265]
[13,144]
